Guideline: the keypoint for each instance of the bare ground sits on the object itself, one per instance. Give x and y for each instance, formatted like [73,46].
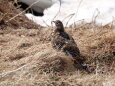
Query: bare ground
[27,57]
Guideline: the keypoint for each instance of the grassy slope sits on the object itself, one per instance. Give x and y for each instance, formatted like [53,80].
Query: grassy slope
[26,47]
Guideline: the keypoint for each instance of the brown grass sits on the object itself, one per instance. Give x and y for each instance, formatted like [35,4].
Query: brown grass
[27,58]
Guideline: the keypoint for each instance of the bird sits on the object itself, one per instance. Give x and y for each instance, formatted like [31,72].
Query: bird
[62,41]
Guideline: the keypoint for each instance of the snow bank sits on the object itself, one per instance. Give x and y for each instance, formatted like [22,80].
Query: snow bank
[88,10]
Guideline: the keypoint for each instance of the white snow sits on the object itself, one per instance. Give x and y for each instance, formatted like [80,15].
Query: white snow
[88,9]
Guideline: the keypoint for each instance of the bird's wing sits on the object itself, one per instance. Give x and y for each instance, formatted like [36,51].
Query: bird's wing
[72,40]
[58,41]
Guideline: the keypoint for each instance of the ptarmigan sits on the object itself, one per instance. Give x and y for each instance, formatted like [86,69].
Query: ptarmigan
[62,41]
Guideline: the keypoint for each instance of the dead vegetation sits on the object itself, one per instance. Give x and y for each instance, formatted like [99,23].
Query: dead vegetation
[7,17]
[27,58]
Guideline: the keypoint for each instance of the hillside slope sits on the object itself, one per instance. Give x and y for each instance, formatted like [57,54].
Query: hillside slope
[27,57]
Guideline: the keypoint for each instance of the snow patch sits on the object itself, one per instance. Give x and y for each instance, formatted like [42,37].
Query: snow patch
[103,9]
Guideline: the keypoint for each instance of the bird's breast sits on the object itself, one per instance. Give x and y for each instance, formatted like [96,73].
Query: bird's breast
[58,42]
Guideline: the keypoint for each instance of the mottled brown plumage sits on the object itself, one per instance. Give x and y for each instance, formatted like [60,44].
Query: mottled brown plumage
[62,41]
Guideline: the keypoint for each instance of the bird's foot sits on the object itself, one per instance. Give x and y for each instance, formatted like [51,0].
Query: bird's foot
[86,68]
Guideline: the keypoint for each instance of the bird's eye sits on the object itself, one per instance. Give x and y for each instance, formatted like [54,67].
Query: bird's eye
[57,23]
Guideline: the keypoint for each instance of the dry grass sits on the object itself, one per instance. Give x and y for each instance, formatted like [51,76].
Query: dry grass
[27,58]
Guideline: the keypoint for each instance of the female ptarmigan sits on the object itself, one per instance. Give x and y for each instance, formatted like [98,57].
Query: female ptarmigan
[64,42]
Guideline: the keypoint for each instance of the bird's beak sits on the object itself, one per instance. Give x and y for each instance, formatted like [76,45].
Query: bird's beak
[52,22]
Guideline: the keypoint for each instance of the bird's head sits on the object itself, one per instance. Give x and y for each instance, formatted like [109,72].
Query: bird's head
[59,25]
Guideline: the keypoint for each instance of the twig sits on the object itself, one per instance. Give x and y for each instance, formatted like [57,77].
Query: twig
[68,16]
[58,11]
[95,16]
[23,11]
[45,23]
[69,19]
[9,72]
[78,10]
[82,20]
[112,23]
[3,16]
[2,21]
